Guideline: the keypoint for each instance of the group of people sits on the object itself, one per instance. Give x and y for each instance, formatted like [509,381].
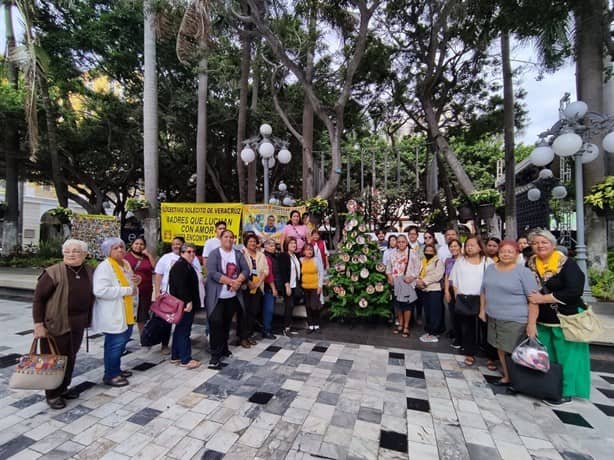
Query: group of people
[496,292]
[500,291]
[241,282]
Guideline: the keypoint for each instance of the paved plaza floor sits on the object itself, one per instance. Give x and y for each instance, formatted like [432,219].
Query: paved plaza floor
[298,397]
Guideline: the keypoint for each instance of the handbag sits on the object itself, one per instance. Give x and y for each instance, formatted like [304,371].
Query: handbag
[168,307]
[38,371]
[154,331]
[298,295]
[541,385]
[581,327]
[532,354]
[467,305]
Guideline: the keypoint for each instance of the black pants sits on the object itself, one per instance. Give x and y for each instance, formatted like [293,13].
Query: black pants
[288,309]
[433,312]
[68,344]
[313,306]
[454,318]
[253,314]
[468,338]
[419,305]
[219,326]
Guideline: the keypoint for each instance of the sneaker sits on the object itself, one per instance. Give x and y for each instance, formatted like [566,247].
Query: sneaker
[311,330]
[117,381]
[558,403]
[268,335]
[433,339]
[227,354]
[455,345]
[285,331]
[424,338]
[215,365]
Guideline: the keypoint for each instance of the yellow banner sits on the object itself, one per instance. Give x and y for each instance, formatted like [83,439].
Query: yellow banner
[267,221]
[196,221]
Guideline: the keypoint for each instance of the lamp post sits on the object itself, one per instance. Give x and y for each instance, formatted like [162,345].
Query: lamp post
[569,137]
[266,145]
[282,196]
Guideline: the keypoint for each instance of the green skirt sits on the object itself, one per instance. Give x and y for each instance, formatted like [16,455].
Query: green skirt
[572,356]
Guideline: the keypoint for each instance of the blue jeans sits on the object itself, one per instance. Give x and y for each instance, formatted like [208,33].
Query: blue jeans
[182,345]
[268,305]
[114,347]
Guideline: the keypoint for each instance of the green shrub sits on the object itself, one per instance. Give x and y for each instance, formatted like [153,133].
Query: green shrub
[50,249]
[602,283]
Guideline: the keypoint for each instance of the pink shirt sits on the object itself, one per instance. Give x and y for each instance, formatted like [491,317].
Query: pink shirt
[296,231]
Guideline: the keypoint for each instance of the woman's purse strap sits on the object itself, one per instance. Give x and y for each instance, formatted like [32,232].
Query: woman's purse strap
[53,346]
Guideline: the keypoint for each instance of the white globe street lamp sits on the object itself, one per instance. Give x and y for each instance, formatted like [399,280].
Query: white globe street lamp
[559,192]
[534,194]
[567,144]
[608,142]
[266,145]
[542,155]
[545,174]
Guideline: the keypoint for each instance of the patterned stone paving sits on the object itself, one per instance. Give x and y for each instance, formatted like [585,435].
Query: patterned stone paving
[296,398]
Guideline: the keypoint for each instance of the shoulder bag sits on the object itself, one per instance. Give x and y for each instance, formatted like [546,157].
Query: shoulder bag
[38,371]
[168,307]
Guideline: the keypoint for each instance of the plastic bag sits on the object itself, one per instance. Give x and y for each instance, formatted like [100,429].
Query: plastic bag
[532,354]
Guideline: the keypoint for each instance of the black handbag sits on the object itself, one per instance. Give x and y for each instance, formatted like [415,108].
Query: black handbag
[534,383]
[467,305]
[298,295]
[154,331]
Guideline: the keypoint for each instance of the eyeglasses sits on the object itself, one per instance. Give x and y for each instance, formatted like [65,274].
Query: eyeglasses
[426,237]
[189,251]
[73,252]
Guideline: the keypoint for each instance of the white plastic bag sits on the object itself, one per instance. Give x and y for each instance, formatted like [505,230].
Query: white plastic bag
[532,354]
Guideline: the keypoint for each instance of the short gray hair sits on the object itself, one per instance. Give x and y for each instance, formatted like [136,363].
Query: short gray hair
[268,241]
[73,242]
[186,246]
[108,244]
[544,234]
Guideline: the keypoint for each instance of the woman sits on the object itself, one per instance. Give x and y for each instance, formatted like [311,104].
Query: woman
[62,309]
[259,270]
[142,264]
[456,248]
[290,272]
[271,289]
[561,283]
[402,270]
[466,278]
[391,247]
[429,282]
[226,273]
[492,248]
[114,286]
[295,229]
[183,283]
[319,248]
[505,289]
[312,279]
[523,243]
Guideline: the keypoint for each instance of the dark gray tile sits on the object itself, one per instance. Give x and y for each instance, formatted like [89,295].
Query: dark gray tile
[9,360]
[395,355]
[396,362]
[302,376]
[607,410]
[144,416]
[144,366]
[313,359]
[28,401]
[414,373]
[15,445]
[604,377]
[85,364]
[431,364]
[212,455]
[26,332]
[453,374]
[393,441]
[571,418]
[281,401]
[72,414]
[418,404]
[260,397]
[395,378]
[478,452]
[415,383]
[319,349]
[569,455]
[369,414]
[607,392]
[273,348]
[326,397]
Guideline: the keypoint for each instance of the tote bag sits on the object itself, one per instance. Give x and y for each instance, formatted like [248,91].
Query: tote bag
[38,371]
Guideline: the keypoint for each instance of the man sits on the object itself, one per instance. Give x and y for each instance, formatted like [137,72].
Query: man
[442,251]
[414,244]
[269,228]
[213,243]
[382,244]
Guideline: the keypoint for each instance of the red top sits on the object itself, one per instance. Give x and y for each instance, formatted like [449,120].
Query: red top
[144,270]
[269,278]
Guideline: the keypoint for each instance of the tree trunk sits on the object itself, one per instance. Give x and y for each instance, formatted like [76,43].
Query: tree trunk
[589,87]
[150,126]
[201,130]
[447,189]
[334,134]
[10,229]
[508,139]
[52,142]
[308,185]
[441,143]
[250,192]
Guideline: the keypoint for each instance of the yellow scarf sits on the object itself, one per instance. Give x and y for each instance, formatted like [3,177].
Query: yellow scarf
[424,265]
[123,281]
[550,267]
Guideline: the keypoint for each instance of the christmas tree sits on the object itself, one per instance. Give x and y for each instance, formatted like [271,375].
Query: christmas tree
[356,275]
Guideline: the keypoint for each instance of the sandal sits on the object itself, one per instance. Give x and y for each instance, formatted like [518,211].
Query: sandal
[398,330]
[405,333]
[469,361]
[192,364]
[491,366]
